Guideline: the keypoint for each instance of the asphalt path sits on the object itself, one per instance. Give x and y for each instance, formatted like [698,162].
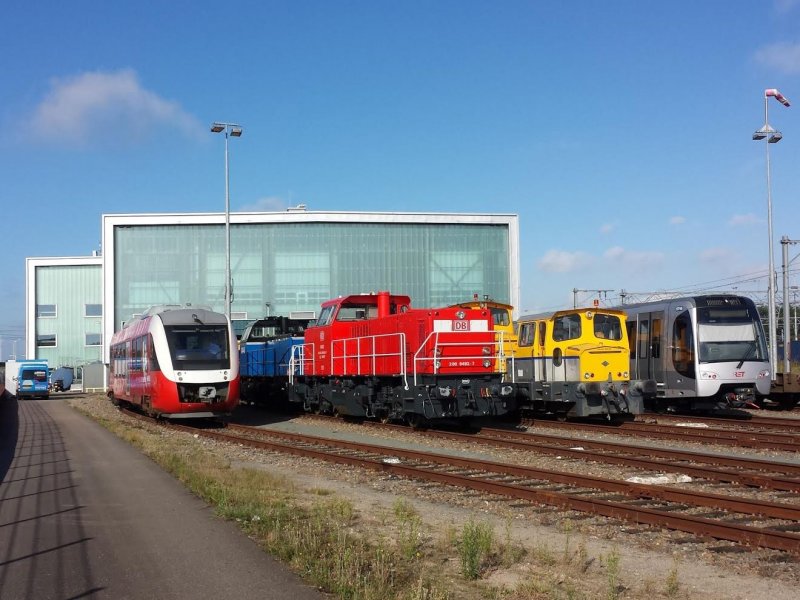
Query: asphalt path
[84,515]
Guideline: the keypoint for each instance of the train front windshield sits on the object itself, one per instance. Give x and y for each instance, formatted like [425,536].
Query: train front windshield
[198,347]
[730,333]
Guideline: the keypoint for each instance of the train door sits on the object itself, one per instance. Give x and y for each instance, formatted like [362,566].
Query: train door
[681,370]
[647,343]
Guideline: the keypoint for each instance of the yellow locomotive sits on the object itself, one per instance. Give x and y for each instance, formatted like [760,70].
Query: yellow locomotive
[575,363]
[505,337]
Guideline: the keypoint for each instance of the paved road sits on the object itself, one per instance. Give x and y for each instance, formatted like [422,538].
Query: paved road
[84,515]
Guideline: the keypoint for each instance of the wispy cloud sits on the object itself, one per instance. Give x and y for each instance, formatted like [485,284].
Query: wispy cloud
[781,56]
[266,204]
[677,220]
[633,261]
[743,220]
[110,107]
[560,261]
[783,7]
[608,228]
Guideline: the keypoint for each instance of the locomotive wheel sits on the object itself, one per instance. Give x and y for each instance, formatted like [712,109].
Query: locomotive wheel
[415,421]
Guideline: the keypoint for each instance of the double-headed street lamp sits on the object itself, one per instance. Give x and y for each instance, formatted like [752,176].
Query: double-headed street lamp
[233,130]
[772,136]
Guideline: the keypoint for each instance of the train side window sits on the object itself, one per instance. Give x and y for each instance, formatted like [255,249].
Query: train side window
[644,335]
[683,345]
[655,346]
[526,334]
[632,339]
[542,332]
[151,353]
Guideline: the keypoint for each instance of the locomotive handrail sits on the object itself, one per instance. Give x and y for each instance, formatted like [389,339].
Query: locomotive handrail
[436,358]
[298,360]
[371,355]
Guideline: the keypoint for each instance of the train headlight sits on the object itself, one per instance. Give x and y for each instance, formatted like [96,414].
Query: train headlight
[763,374]
[460,314]
[708,375]
[507,390]
[438,352]
[625,375]
[437,364]
[486,350]
[587,375]
[487,363]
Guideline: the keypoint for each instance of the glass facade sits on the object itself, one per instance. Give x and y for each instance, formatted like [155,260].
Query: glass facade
[298,265]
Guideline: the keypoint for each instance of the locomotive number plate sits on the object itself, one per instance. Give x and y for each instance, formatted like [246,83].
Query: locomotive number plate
[461,325]
[207,393]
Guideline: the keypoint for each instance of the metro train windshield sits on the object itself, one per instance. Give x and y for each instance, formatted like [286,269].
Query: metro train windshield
[727,334]
[198,347]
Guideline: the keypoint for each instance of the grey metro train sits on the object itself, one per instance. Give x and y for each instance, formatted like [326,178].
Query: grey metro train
[705,352]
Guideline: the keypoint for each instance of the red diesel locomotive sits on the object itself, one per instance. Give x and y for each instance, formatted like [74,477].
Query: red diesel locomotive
[176,361]
[372,355]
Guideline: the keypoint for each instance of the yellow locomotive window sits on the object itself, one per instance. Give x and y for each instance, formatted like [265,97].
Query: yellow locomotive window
[526,334]
[607,327]
[567,327]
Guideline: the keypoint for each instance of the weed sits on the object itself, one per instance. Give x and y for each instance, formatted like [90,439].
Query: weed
[476,544]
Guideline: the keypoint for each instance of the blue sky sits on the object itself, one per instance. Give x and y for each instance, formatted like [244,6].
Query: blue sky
[619,131]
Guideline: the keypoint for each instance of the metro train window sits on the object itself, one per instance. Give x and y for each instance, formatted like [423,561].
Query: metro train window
[683,345]
[632,338]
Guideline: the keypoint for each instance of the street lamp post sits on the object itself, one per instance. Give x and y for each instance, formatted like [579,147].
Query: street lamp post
[772,136]
[233,130]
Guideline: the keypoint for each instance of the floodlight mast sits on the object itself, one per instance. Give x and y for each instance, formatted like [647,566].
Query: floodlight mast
[772,136]
[232,130]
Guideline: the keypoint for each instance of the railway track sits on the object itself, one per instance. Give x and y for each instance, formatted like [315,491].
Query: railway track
[742,471]
[761,440]
[746,423]
[752,523]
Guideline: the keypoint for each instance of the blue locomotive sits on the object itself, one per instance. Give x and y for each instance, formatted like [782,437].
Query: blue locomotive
[265,350]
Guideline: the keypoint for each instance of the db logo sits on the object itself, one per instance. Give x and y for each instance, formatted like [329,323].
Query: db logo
[460,325]
[738,373]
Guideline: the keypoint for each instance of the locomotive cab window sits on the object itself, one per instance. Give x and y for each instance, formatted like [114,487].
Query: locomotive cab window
[198,346]
[607,327]
[526,334]
[500,317]
[567,327]
[325,316]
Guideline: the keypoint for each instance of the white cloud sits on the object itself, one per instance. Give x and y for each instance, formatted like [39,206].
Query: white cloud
[717,255]
[110,107]
[782,56]
[740,220]
[633,261]
[559,261]
[677,220]
[266,204]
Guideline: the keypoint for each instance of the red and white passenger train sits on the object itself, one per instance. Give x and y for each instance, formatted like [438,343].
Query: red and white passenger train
[372,355]
[176,361]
